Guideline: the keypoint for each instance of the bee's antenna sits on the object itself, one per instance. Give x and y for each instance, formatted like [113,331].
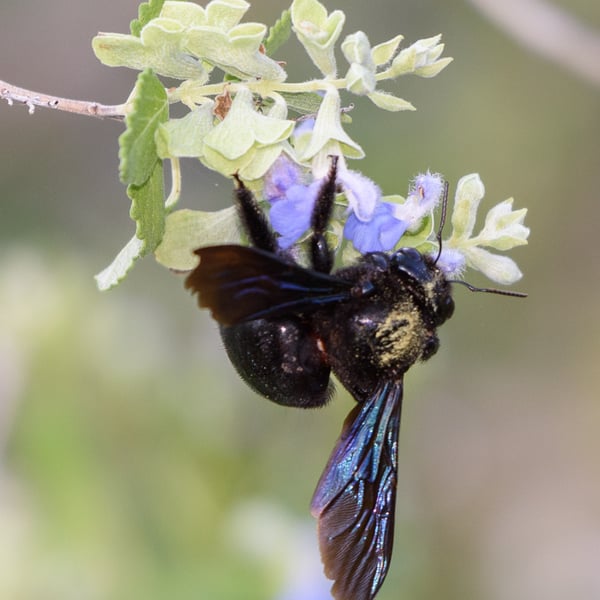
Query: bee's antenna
[473,288]
[438,235]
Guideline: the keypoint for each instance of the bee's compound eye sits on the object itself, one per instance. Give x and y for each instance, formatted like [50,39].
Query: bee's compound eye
[430,348]
[407,258]
[411,262]
[410,253]
[445,308]
[380,260]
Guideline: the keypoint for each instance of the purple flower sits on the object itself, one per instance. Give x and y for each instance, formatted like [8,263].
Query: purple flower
[452,262]
[304,126]
[379,234]
[362,194]
[291,200]
[372,225]
[428,187]
[290,216]
[423,196]
[283,174]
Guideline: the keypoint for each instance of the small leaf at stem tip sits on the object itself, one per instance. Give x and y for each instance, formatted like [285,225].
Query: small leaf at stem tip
[278,33]
[146,12]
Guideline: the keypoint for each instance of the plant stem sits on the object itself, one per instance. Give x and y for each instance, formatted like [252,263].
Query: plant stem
[12,94]
[264,88]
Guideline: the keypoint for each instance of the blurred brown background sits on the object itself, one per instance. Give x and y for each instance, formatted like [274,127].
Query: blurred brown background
[134,464]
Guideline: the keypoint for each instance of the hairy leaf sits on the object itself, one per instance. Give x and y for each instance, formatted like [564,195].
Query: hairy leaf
[148,209]
[120,266]
[278,33]
[137,148]
[146,12]
[187,230]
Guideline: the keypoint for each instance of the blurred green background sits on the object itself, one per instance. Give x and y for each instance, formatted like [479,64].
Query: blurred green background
[134,464]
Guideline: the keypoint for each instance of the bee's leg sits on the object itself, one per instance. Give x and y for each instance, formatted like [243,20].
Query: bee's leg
[320,254]
[253,219]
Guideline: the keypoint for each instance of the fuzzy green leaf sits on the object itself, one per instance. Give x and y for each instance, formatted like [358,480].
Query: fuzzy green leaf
[389,102]
[237,51]
[120,266]
[185,136]
[383,53]
[137,148]
[148,209]
[146,12]
[278,33]
[186,230]
[304,103]
[225,14]
[222,14]
[161,47]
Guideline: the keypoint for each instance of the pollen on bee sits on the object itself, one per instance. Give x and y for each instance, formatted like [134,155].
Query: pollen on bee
[397,336]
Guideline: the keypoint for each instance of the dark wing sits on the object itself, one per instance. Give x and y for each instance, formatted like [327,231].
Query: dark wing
[356,496]
[239,283]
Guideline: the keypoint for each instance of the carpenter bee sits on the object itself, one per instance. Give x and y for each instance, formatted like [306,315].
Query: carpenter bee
[286,328]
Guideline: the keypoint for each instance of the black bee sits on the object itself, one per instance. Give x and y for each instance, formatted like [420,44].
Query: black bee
[286,328]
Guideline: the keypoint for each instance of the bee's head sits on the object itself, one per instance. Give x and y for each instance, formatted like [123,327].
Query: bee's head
[426,281]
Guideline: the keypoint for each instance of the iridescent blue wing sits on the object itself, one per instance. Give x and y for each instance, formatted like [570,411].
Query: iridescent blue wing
[239,283]
[356,496]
